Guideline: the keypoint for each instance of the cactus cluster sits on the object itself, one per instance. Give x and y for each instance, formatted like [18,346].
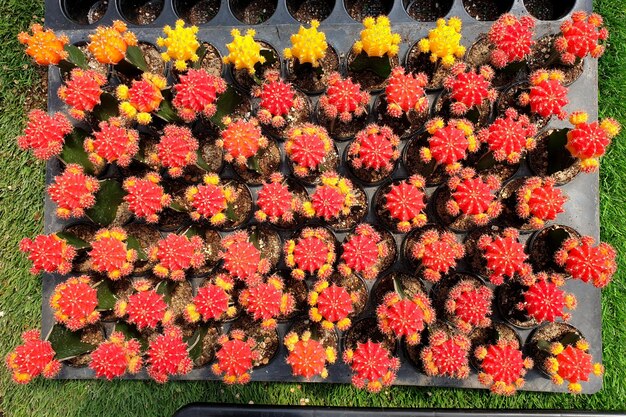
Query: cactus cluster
[405,202]
[48,253]
[112,142]
[108,45]
[437,252]
[571,363]
[213,301]
[509,137]
[74,303]
[43,45]
[588,141]
[45,134]
[582,35]
[143,97]
[344,99]
[373,365]
[244,52]
[502,367]
[377,40]
[449,143]
[32,358]
[469,88]
[547,95]
[331,305]
[145,196]
[375,148]
[180,44]
[469,305]
[504,256]
[586,262]
[472,197]
[197,92]
[116,356]
[405,317]
[444,42]
[362,252]
[73,192]
[446,355]
[512,39]
[308,357]
[279,100]
[175,254]
[82,91]
[405,92]
[307,147]
[538,201]
[312,252]
[308,46]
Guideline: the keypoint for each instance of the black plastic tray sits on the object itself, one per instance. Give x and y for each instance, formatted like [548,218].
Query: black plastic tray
[582,209]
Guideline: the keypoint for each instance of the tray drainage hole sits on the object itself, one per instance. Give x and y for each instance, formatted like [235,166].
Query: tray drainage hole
[487,9]
[253,12]
[549,9]
[360,9]
[196,12]
[141,12]
[306,10]
[85,12]
[427,10]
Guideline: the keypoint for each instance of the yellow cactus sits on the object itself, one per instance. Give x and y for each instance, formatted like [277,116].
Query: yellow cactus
[108,44]
[308,45]
[44,46]
[444,42]
[244,52]
[181,44]
[377,40]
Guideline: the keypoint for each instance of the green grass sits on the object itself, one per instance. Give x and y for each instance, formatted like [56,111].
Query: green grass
[21,210]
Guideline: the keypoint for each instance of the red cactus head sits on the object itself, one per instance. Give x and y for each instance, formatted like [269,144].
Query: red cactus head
[504,255]
[241,140]
[197,92]
[276,202]
[167,355]
[210,199]
[512,39]
[213,301]
[82,91]
[307,147]
[572,364]
[581,36]
[176,149]
[278,100]
[405,92]
[307,356]
[45,134]
[405,202]
[74,303]
[405,317]
[112,143]
[331,305]
[242,259]
[145,308]
[588,141]
[502,367]
[509,137]
[449,143]
[235,358]
[334,197]
[175,254]
[266,301]
[145,196]
[544,301]
[362,252]
[538,201]
[588,263]
[143,97]
[374,148]
[313,252]
[469,88]
[49,253]
[438,252]
[32,358]
[373,366]
[116,356]
[472,196]
[547,95]
[110,253]
[469,304]
[343,99]
[446,355]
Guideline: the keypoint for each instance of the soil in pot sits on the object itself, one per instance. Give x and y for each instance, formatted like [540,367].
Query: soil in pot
[427,10]
[404,126]
[358,211]
[310,79]
[197,12]
[141,12]
[487,9]
[180,295]
[365,330]
[550,158]
[147,237]
[360,9]
[508,196]
[485,164]
[543,245]
[241,207]
[85,12]
[341,131]
[306,10]
[396,281]
[127,72]
[549,9]
[510,98]
[85,232]
[266,340]
[479,115]
[242,77]
[473,254]
[210,60]
[267,241]
[260,167]
[433,173]
[508,296]
[208,343]
[253,12]
[93,335]
[367,78]
[299,291]
[545,56]
[211,249]
[480,54]
[416,62]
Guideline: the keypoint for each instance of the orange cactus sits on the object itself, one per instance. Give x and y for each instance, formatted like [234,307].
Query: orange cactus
[44,46]
[108,44]
[307,356]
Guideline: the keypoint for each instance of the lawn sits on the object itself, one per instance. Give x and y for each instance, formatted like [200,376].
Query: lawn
[21,210]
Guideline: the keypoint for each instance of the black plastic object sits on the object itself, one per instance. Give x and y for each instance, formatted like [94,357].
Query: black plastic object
[219,410]
[582,209]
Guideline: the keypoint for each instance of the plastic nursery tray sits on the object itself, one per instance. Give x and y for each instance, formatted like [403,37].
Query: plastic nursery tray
[582,209]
